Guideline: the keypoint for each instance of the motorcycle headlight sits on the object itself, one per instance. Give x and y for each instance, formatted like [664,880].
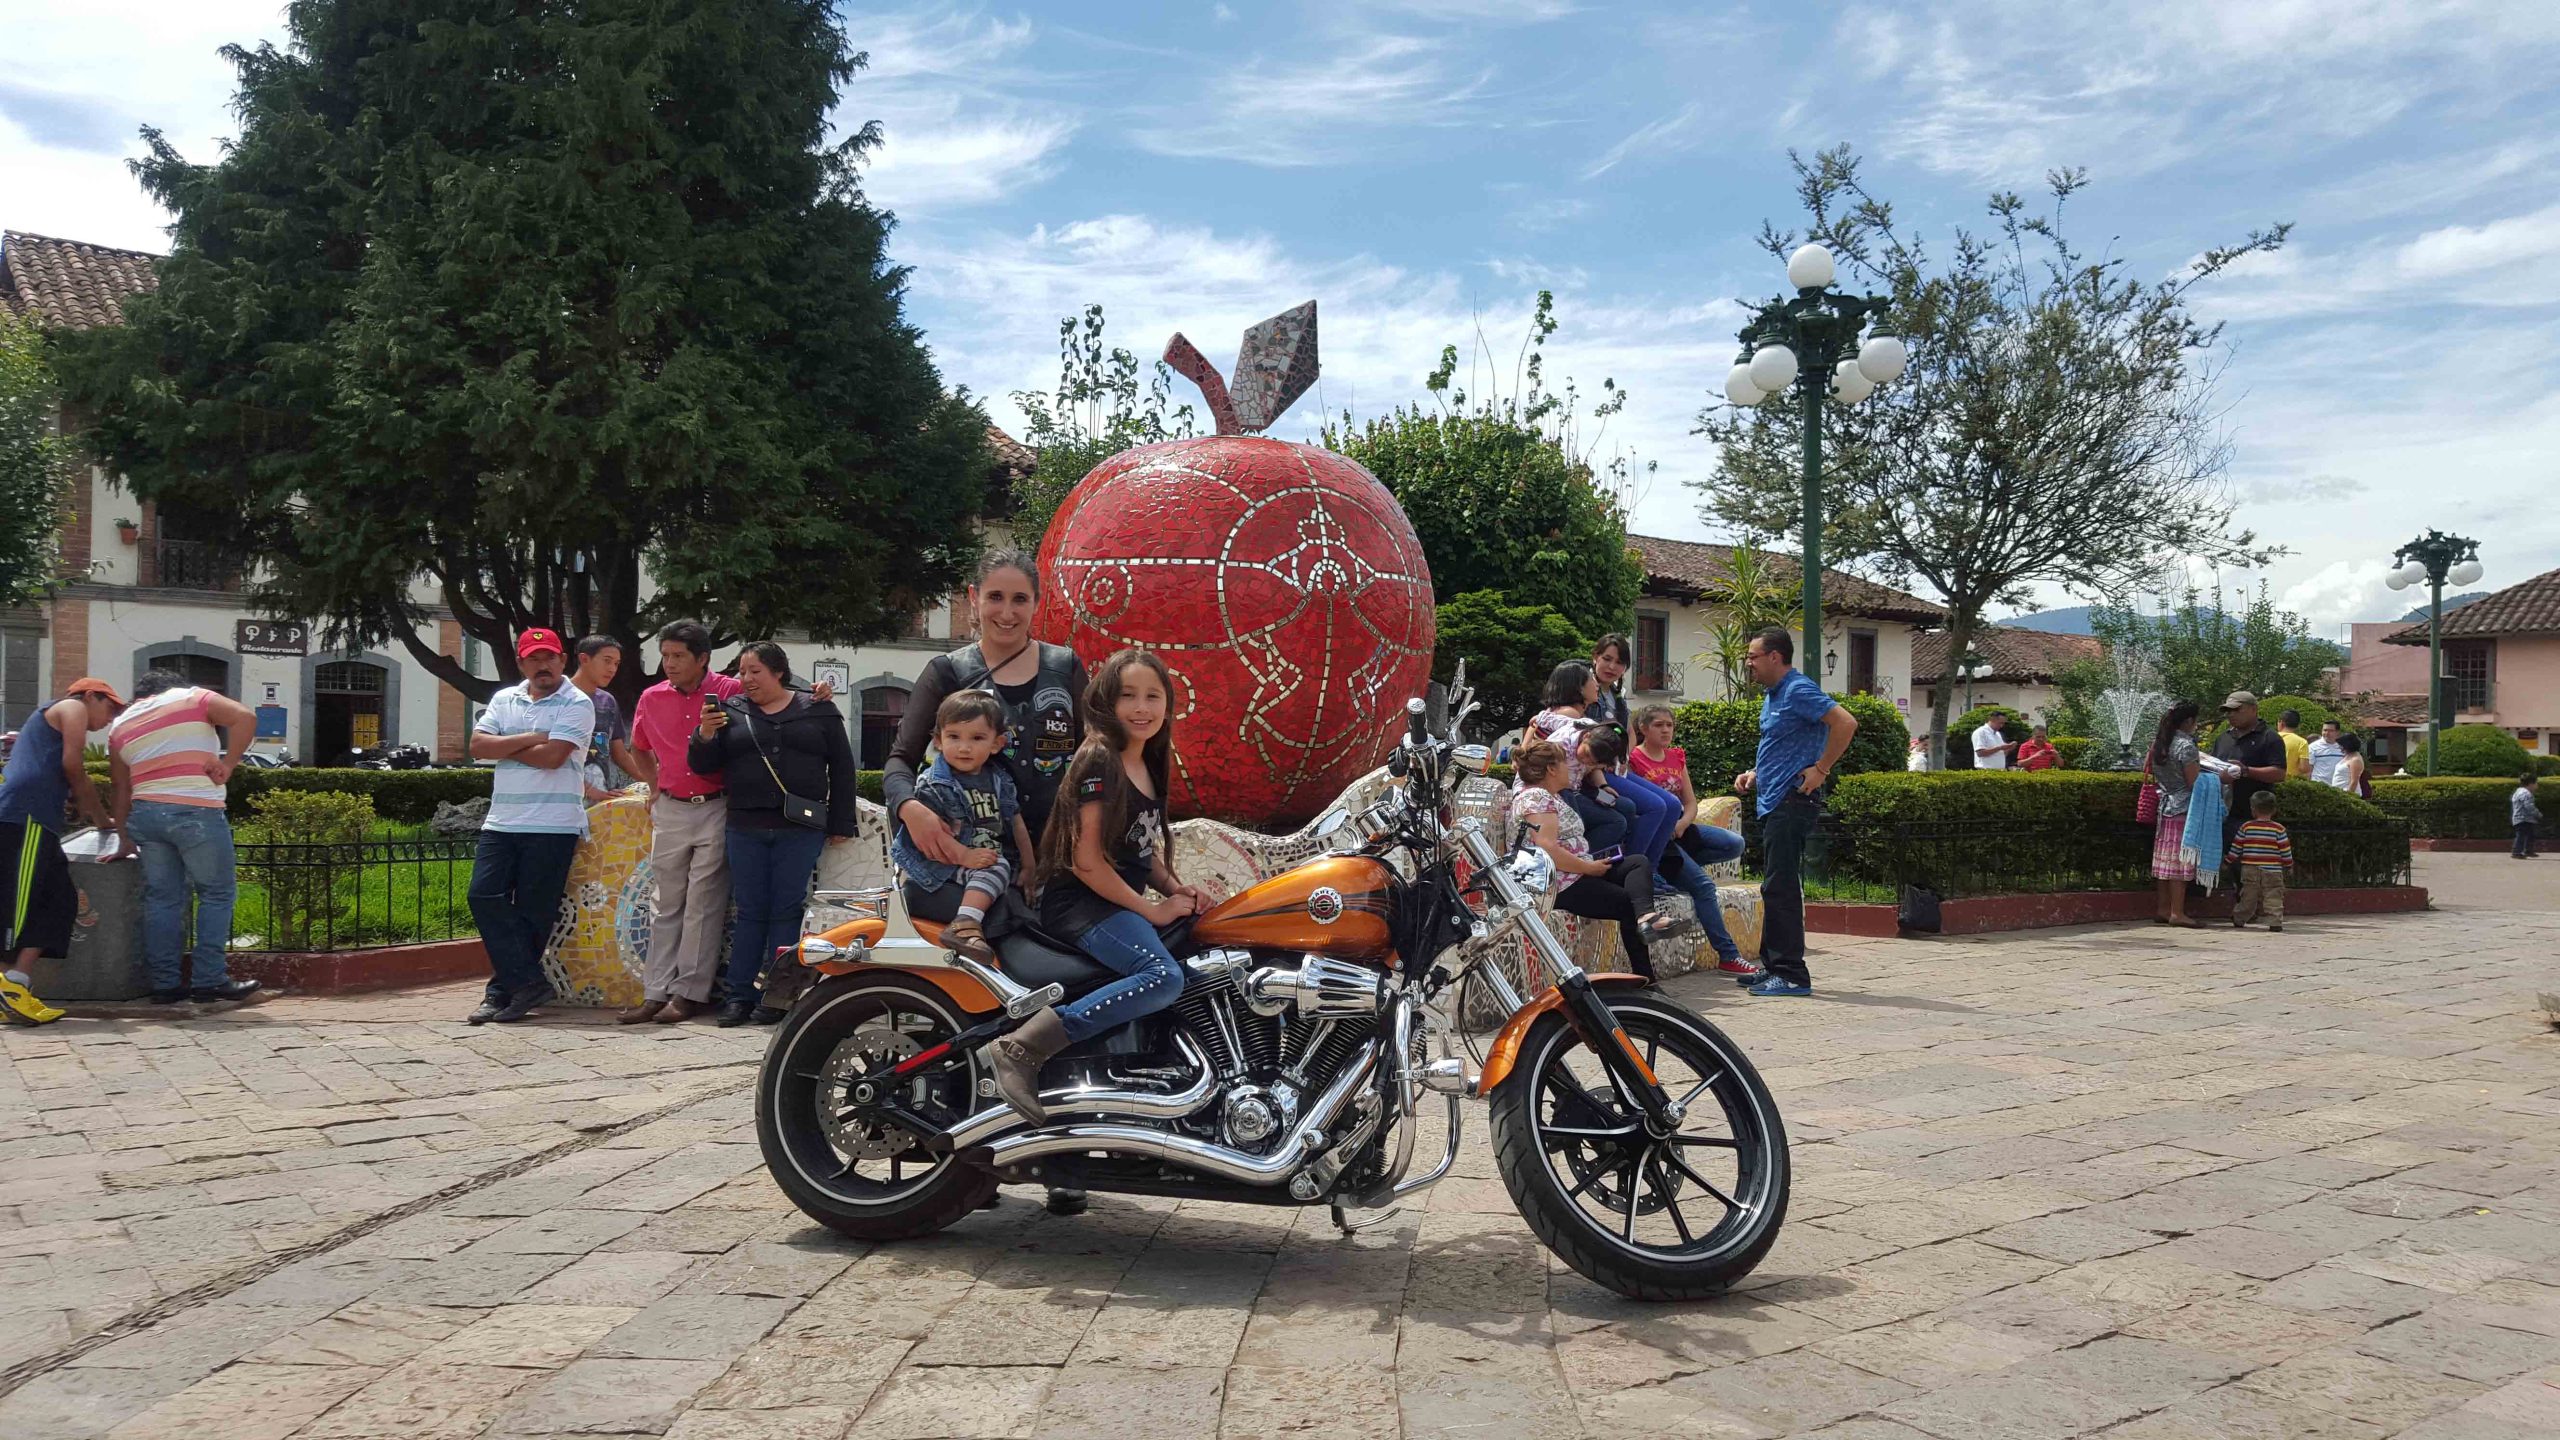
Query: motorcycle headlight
[1532,871]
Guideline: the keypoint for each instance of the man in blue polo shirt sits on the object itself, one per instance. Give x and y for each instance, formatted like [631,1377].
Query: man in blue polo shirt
[1803,734]
[538,732]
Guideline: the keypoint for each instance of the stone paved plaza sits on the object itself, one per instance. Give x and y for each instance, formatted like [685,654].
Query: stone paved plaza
[2115,1181]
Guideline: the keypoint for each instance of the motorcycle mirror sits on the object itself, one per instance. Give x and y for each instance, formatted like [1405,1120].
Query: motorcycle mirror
[1472,759]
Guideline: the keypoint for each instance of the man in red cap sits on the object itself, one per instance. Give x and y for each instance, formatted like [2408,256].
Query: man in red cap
[538,732]
[47,776]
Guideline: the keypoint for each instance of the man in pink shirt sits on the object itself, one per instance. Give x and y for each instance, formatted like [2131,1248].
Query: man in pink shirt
[172,753]
[689,816]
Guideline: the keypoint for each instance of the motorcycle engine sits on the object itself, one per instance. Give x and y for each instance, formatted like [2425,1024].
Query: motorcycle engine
[1252,1116]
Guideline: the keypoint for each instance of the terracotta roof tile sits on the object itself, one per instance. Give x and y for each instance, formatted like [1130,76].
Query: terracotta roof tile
[2532,607]
[2014,653]
[68,285]
[2390,711]
[1695,570]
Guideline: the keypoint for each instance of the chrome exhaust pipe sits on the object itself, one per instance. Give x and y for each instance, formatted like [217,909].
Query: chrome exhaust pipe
[1215,1160]
[1095,1100]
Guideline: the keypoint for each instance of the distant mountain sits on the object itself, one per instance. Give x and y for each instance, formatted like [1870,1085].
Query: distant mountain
[2451,604]
[2069,620]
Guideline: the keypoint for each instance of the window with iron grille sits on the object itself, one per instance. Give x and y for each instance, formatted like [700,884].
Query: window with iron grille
[348,677]
[1653,644]
[2467,672]
[20,687]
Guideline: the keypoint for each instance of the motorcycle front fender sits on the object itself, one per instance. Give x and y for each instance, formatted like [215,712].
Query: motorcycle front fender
[1506,1045]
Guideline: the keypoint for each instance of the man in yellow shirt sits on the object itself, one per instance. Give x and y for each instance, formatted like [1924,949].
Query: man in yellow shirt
[2297,747]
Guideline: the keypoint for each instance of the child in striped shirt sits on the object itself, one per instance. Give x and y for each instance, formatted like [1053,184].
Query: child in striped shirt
[2264,852]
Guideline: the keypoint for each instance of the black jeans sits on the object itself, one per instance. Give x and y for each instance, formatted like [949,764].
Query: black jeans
[516,882]
[1623,895]
[1783,834]
[2524,845]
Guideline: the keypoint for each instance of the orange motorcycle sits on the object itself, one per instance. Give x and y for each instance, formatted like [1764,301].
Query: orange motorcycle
[1320,1011]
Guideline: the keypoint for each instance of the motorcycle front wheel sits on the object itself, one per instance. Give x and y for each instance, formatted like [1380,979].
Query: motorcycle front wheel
[1680,1216]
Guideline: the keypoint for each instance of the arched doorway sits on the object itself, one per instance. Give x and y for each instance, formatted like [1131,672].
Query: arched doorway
[348,709]
[884,704]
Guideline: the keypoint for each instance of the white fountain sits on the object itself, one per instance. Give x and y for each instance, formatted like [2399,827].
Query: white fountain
[2131,706]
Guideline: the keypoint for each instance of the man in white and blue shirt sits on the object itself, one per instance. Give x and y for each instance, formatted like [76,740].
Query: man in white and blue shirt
[538,733]
[1803,734]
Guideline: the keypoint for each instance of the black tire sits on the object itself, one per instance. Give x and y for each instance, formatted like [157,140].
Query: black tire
[1751,1204]
[810,1167]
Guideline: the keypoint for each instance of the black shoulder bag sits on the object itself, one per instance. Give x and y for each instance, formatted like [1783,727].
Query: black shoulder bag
[809,814]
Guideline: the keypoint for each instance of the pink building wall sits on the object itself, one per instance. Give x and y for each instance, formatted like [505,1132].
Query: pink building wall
[2382,669]
[2528,688]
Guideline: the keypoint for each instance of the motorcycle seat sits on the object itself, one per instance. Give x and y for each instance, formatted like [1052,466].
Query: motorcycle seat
[1032,958]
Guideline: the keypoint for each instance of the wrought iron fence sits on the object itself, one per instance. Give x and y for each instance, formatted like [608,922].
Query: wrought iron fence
[363,895]
[1960,858]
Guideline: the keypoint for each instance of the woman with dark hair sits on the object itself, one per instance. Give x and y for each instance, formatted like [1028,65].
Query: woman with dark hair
[1041,685]
[1572,696]
[1587,885]
[2173,765]
[789,772]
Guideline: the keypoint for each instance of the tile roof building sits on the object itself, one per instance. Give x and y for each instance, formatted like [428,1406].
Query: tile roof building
[70,285]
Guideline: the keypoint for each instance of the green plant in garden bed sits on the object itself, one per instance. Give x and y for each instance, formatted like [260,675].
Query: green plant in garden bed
[2455,807]
[1723,739]
[2479,750]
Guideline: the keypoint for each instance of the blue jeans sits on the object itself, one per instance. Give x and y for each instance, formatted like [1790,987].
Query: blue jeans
[1657,815]
[1685,870]
[769,874]
[186,854]
[516,882]
[1149,980]
[1784,833]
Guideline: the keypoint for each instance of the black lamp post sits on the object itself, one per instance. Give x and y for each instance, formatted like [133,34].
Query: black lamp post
[1812,343]
[2435,557]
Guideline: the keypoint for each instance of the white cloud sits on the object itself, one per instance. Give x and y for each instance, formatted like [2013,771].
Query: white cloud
[921,166]
[2342,592]
[963,119]
[1334,108]
[1671,134]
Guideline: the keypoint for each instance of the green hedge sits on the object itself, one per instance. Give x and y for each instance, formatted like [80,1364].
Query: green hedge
[407,797]
[2483,750]
[2066,829]
[2546,764]
[1723,739]
[2074,750]
[2455,807]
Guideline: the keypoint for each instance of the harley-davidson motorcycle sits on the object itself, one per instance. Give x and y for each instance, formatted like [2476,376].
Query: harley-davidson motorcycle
[1321,1010]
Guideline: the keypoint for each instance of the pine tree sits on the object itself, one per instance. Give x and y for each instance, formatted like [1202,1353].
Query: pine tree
[495,302]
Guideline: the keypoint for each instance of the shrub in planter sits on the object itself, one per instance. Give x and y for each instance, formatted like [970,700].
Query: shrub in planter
[1959,746]
[2454,807]
[313,835]
[1723,739]
[2075,750]
[2470,750]
[407,796]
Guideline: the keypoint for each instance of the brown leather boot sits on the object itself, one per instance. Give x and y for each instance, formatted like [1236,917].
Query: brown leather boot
[640,1014]
[679,1009]
[1018,1058]
[969,938]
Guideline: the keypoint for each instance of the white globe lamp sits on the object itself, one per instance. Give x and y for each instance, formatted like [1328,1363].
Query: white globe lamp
[1774,368]
[2464,573]
[2396,580]
[1738,387]
[1849,385]
[1881,358]
[1810,268]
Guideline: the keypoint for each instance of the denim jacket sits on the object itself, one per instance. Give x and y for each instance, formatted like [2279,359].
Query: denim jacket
[940,790]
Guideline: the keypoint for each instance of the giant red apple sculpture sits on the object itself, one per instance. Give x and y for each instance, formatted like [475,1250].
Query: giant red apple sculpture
[1281,583]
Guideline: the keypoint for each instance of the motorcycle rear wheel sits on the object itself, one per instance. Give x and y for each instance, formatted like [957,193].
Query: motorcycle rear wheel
[1677,1217]
[857,1179]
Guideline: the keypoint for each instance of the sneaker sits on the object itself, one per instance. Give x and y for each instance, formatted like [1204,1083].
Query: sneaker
[20,1003]
[1772,985]
[227,990]
[1735,965]
[524,1002]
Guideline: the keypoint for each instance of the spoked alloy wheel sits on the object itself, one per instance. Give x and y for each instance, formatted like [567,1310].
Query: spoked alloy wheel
[821,1122]
[1653,1216]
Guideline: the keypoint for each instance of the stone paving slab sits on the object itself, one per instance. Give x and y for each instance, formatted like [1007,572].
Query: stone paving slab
[2132,1183]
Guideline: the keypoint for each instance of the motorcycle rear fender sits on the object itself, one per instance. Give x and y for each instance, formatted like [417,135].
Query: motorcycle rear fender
[965,992]
[1506,1046]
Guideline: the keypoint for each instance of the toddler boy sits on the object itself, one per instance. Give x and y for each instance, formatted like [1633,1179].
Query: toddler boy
[2264,852]
[976,796]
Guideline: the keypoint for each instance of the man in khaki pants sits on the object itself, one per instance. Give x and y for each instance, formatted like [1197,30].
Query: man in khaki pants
[688,854]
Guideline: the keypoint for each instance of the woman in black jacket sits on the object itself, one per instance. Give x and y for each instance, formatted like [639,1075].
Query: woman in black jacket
[790,775]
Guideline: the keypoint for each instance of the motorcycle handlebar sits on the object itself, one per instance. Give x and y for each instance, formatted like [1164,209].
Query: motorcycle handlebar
[1417,724]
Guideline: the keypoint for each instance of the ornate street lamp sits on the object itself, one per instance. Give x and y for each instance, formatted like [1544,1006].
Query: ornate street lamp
[2435,557]
[1812,343]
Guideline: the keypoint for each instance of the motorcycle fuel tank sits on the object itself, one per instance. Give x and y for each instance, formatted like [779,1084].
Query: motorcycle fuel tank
[1336,906]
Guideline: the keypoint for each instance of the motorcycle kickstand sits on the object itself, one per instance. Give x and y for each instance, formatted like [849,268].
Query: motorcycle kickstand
[1342,1219]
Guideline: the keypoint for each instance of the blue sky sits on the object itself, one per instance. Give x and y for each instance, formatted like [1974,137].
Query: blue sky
[1423,167]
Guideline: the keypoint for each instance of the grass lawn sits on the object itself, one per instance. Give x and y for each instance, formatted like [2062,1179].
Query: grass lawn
[385,902]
